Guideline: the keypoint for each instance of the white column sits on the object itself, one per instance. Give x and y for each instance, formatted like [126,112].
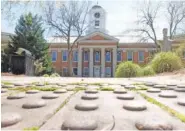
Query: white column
[91,61]
[102,62]
[114,61]
[79,62]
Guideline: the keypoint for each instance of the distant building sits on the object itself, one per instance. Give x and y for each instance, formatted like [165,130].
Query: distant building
[97,53]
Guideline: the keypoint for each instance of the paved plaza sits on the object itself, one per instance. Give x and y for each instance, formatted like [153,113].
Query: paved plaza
[37,103]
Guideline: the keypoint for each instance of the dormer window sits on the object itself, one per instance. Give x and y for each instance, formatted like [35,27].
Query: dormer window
[97,23]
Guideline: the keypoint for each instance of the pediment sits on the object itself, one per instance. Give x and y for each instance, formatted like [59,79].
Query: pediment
[98,36]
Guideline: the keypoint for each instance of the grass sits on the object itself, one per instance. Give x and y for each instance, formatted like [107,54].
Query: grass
[138,83]
[164,107]
[34,88]
[79,88]
[31,129]
[106,89]
[6,83]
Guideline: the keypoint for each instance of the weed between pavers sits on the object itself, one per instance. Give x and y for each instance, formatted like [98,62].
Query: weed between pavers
[166,108]
[6,83]
[31,129]
[34,88]
[106,89]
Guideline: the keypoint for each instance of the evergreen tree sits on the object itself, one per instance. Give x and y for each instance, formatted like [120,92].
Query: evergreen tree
[29,35]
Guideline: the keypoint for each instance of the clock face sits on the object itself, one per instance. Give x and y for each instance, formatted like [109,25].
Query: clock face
[97,15]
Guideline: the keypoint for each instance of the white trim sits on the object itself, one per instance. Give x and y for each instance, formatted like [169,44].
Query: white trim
[99,56]
[66,55]
[97,41]
[52,55]
[87,57]
[121,55]
[106,72]
[110,56]
[76,51]
[84,71]
[143,56]
[132,55]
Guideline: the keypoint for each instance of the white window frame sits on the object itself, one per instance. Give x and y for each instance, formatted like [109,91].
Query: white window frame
[73,71]
[98,23]
[76,52]
[85,68]
[95,56]
[109,54]
[106,71]
[63,55]
[143,56]
[121,55]
[132,55]
[87,56]
[52,55]
[63,70]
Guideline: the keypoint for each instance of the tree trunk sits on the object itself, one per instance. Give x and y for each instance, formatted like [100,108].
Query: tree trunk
[70,64]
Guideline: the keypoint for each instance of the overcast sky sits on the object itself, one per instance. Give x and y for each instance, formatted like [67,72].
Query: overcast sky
[121,15]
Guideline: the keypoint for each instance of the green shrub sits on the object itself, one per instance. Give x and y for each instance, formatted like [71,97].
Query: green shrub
[55,75]
[166,62]
[148,71]
[45,75]
[128,69]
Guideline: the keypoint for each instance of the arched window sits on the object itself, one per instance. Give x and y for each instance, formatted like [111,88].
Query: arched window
[108,56]
[97,56]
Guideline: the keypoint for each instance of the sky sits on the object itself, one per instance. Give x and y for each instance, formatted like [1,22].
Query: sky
[121,16]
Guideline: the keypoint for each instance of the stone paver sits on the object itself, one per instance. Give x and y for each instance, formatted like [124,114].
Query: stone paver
[110,110]
[31,117]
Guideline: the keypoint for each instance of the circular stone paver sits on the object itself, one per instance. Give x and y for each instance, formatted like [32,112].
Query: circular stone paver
[120,91]
[167,95]
[181,86]
[152,90]
[104,84]
[91,91]
[9,118]
[50,96]
[34,104]
[62,84]
[7,86]
[160,86]
[86,106]
[32,91]
[60,91]
[153,123]
[79,123]
[19,84]
[40,84]
[149,84]
[171,84]
[126,97]
[135,106]
[3,90]
[179,89]
[181,102]
[16,96]
[130,87]
[89,97]
[93,87]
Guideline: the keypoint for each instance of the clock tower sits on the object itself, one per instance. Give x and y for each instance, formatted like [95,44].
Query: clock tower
[97,19]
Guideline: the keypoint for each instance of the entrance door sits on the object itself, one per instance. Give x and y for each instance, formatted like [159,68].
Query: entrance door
[97,71]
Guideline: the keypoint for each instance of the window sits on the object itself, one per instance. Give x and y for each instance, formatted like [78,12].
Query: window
[86,71]
[54,56]
[65,71]
[75,70]
[108,56]
[129,55]
[86,56]
[141,56]
[64,55]
[75,55]
[97,56]
[108,71]
[119,56]
[97,23]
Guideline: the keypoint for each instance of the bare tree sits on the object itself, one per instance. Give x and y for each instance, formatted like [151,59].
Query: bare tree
[67,19]
[147,18]
[175,16]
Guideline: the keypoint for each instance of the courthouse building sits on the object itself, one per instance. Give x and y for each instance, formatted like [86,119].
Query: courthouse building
[97,53]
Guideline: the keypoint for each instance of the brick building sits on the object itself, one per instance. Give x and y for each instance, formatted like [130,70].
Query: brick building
[97,53]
